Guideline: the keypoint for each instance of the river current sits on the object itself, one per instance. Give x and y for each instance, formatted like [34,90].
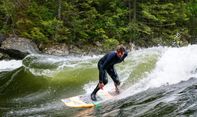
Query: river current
[154,80]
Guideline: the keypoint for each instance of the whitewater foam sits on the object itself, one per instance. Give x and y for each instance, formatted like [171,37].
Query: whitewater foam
[6,65]
[174,65]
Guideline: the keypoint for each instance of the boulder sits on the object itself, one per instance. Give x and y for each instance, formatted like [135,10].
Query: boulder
[56,49]
[18,48]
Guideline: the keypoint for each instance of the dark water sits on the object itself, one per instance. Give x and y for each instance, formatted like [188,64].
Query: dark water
[37,87]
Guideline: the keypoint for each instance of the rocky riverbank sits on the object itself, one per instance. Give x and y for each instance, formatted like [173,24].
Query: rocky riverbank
[17,48]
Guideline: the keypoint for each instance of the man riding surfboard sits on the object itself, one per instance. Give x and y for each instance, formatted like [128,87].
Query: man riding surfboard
[106,65]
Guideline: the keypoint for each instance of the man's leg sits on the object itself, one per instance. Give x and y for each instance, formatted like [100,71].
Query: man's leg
[116,88]
[112,72]
[93,94]
[103,76]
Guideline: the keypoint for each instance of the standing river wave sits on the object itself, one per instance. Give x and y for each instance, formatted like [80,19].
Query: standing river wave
[157,81]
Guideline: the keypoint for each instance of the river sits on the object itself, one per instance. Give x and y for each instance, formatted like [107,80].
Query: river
[35,85]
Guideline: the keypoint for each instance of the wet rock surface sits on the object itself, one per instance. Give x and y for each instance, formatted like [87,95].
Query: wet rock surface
[56,49]
[17,48]
[178,100]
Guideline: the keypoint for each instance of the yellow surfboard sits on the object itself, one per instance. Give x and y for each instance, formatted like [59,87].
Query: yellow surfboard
[84,101]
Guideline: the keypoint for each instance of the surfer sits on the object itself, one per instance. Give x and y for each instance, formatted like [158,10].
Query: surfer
[106,64]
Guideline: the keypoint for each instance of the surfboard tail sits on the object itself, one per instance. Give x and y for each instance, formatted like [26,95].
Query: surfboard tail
[84,101]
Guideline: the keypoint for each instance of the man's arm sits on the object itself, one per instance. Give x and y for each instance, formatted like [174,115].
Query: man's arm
[125,55]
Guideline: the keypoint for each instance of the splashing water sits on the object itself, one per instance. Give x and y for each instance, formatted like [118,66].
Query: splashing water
[174,65]
[41,81]
[7,65]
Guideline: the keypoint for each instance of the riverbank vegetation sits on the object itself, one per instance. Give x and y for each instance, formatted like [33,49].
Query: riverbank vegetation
[101,22]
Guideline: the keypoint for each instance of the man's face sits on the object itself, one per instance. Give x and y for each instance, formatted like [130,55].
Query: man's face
[120,54]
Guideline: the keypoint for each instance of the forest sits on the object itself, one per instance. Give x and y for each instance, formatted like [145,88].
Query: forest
[144,23]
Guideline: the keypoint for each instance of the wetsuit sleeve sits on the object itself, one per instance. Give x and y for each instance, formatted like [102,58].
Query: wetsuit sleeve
[109,57]
[125,55]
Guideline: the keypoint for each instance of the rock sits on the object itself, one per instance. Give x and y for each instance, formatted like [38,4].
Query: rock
[1,56]
[4,56]
[75,50]
[18,48]
[56,49]
[2,38]
[20,44]
[15,54]
[165,101]
[97,43]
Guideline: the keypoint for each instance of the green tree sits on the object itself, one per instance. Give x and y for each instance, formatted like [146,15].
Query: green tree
[8,16]
[145,23]
[192,7]
[162,21]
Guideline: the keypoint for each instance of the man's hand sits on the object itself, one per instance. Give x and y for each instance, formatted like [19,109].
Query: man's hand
[101,85]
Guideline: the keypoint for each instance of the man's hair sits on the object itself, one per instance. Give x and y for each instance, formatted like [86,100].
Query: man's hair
[121,48]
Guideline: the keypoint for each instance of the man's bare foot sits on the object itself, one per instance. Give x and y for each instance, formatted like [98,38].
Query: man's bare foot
[117,89]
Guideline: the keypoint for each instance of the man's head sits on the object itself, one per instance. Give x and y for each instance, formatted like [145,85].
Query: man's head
[120,50]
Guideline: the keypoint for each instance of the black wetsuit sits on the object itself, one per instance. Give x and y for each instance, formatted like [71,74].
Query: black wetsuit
[106,64]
